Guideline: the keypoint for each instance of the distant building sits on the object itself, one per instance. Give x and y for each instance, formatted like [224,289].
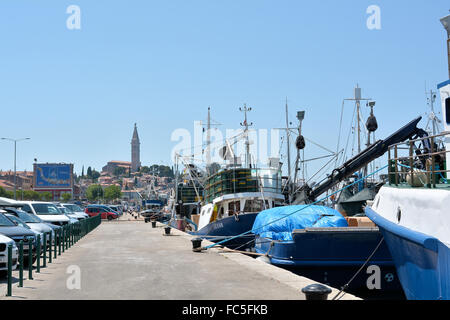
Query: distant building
[112,165]
[24,179]
[135,151]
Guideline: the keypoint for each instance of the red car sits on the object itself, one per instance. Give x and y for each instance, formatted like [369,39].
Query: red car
[106,213]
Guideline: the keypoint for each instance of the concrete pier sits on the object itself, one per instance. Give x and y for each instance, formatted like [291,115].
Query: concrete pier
[131,260]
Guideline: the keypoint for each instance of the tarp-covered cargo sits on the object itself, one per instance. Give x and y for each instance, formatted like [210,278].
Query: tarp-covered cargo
[289,218]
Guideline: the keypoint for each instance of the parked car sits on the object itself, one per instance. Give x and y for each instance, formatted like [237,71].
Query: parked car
[47,211]
[75,210]
[73,218]
[4,243]
[104,211]
[20,223]
[12,230]
[117,208]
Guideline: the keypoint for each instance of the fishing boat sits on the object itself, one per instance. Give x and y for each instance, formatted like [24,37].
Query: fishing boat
[412,210]
[222,204]
[319,242]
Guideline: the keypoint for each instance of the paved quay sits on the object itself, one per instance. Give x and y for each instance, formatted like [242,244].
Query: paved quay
[131,260]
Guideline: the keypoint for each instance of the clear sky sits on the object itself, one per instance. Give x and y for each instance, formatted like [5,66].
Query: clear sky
[78,93]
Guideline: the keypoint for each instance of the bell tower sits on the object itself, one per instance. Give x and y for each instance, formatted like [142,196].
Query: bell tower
[135,151]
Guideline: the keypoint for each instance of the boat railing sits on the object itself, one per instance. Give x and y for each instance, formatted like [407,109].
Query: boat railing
[419,162]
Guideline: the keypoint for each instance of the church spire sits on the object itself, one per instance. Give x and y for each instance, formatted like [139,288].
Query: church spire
[135,151]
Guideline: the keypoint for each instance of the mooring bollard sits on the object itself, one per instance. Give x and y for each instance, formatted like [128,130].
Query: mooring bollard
[38,254]
[44,251]
[196,244]
[9,292]
[64,238]
[60,240]
[153,224]
[167,230]
[316,291]
[30,258]
[20,263]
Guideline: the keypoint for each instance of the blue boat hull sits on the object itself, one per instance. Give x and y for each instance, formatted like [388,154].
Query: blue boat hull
[422,261]
[333,258]
[229,227]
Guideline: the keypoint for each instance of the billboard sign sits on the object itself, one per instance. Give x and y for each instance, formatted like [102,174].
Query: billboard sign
[53,175]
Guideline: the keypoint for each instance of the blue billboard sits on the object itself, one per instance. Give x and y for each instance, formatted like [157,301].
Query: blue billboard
[51,175]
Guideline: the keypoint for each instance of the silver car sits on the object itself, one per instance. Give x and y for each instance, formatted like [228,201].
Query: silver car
[35,223]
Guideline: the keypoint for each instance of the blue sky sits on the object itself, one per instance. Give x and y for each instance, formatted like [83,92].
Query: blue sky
[78,93]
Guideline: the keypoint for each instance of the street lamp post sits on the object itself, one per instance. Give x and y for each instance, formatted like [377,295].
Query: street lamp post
[15,152]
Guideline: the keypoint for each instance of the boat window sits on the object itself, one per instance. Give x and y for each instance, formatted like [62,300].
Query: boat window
[254,206]
[234,207]
[447,110]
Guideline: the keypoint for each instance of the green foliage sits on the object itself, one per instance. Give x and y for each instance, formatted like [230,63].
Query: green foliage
[92,174]
[46,196]
[119,171]
[6,193]
[66,197]
[144,169]
[162,171]
[94,192]
[112,192]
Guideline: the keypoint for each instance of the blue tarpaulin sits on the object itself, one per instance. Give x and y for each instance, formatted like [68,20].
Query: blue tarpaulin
[296,217]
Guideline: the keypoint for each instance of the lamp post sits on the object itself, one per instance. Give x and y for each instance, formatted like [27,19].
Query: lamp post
[15,152]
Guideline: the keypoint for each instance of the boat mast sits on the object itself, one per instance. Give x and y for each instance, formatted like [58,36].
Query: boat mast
[357,98]
[300,117]
[208,138]
[247,142]
[288,154]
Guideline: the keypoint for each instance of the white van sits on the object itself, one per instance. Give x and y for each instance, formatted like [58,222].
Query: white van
[47,211]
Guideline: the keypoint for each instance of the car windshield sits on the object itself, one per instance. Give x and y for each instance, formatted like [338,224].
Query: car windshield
[5,222]
[19,222]
[64,210]
[46,208]
[73,207]
[28,218]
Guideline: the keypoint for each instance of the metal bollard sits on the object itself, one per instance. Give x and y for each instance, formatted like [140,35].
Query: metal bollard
[44,251]
[316,291]
[20,263]
[30,258]
[167,230]
[38,253]
[9,292]
[196,244]
[63,238]
[55,243]
[60,240]
[50,245]
[153,224]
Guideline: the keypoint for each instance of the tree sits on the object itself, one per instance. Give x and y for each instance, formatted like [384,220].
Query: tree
[112,192]
[144,169]
[89,172]
[66,196]
[46,196]
[94,192]
[119,171]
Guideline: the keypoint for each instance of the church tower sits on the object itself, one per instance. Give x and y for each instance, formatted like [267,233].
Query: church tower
[135,151]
